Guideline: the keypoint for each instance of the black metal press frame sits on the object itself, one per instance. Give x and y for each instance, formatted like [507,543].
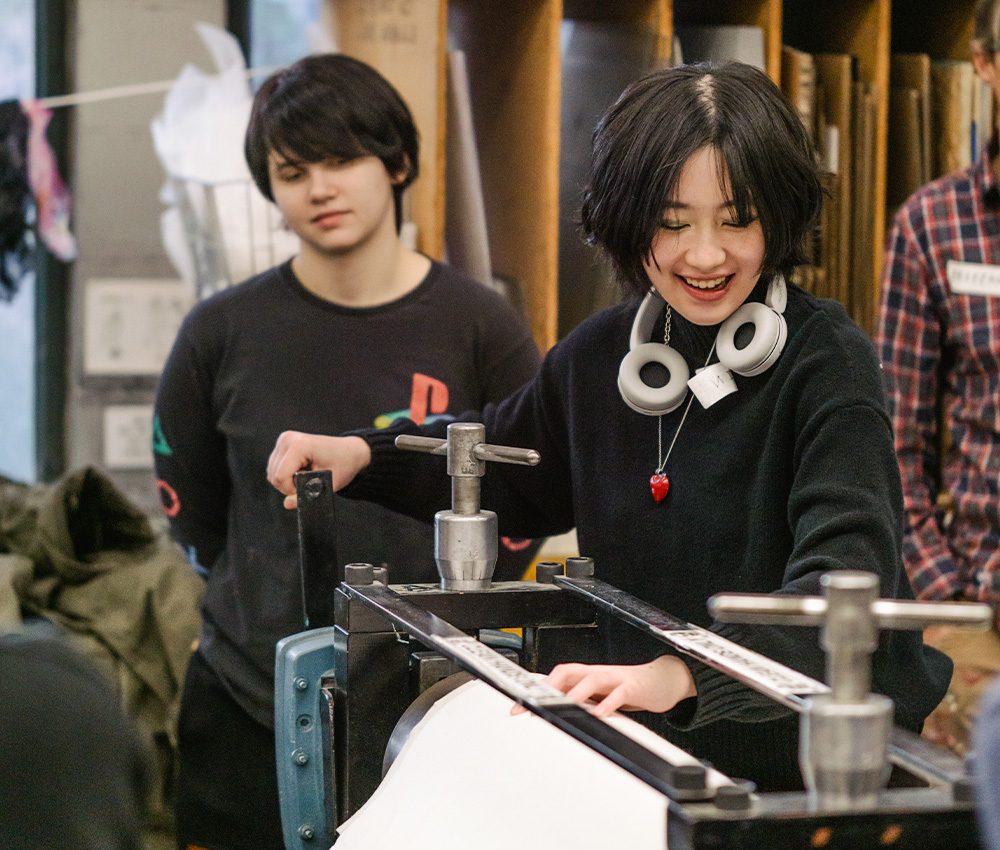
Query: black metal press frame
[344,688]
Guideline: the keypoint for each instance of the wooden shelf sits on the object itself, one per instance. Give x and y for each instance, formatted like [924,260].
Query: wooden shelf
[406,42]
[520,110]
[765,14]
[923,26]
[859,28]
[514,83]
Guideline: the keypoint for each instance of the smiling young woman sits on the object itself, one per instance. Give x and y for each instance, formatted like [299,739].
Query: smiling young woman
[778,467]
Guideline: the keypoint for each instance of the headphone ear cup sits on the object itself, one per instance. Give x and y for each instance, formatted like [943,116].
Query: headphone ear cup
[642,398]
[769,335]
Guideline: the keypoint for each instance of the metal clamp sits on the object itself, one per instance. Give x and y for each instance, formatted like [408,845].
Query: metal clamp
[844,735]
[465,537]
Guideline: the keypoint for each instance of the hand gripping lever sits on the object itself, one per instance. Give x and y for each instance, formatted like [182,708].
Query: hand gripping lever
[465,538]
[844,735]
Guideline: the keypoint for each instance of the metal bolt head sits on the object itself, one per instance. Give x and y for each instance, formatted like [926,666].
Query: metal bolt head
[300,756]
[301,683]
[733,797]
[306,832]
[545,571]
[580,567]
[463,437]
[359,575]
[858,580]
[314,487]
[689,777]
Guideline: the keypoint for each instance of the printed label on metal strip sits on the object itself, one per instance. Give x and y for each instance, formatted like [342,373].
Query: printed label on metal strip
[519,682]
[744,662]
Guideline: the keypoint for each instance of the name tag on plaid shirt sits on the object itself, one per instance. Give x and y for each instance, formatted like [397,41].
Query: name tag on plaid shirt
[973,278]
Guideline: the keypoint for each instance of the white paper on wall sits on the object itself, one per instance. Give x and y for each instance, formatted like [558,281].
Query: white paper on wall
[128,436]
[130,324]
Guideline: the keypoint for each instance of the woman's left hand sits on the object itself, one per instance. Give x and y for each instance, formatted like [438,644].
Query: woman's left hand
[656,686]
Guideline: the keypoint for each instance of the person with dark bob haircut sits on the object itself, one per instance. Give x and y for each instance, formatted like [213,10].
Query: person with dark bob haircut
[763,154]
[356,330]
[720,430]
[332,107]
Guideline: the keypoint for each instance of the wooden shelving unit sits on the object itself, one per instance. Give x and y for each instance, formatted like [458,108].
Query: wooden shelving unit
[859,28]
[516,70]
[926,26]
[512,52]
[407,43]
[765,14]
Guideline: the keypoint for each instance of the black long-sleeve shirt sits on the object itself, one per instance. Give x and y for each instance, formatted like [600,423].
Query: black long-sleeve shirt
[791,476]
[268,356]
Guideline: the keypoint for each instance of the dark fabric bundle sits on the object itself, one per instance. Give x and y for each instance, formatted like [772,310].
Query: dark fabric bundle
[16,201]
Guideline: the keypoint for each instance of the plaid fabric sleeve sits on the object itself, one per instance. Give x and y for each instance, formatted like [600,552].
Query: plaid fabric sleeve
[908,339]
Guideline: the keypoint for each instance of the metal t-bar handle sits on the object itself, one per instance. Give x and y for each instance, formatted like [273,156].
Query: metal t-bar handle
[465,538]
[850,615]
[844,736]
[467,455]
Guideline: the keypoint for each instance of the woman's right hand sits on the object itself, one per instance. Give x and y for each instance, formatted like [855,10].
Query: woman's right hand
[294,451]
[657,686]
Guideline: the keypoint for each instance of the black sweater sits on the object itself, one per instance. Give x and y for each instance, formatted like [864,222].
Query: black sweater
[791,476]
[267,356]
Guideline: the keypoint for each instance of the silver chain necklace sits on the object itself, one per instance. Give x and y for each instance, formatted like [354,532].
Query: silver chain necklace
[659,484]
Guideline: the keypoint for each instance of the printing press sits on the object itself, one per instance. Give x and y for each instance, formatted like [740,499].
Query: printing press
[348,692]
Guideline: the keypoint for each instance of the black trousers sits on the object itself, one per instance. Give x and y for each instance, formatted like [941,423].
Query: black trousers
[227,788]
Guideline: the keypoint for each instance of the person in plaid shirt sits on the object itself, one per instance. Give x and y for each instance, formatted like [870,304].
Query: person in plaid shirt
[938,338]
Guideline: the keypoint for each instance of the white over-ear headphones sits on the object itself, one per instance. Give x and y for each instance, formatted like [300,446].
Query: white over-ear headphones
[769,335]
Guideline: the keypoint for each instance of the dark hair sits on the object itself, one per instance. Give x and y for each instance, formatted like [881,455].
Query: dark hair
[642,143]
[331,107]
[986,26]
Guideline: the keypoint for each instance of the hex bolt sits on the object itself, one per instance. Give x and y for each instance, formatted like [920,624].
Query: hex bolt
[301,683]
[689,777]
[579,567]
[546,571]
[306,832]
[733,797]
[300,757]
[359,575]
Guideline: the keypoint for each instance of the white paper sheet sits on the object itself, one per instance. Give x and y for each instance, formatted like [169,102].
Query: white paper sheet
[473,776]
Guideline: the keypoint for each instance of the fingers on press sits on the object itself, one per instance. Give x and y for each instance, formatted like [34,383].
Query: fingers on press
[593,683]
[564,676]
[612,702]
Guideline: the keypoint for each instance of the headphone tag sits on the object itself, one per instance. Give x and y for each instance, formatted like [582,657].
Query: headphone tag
[712,383]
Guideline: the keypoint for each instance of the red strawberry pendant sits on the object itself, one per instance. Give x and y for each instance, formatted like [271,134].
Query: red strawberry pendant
[660,485]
